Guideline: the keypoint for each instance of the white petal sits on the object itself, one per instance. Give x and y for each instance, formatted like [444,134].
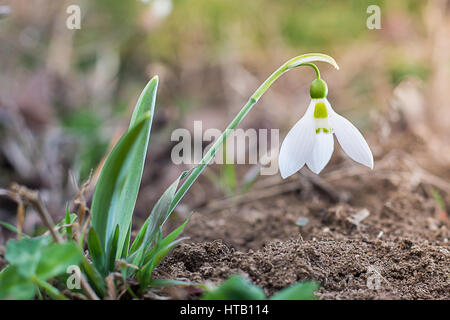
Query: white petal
[351,140]
[297,146]
[322,151]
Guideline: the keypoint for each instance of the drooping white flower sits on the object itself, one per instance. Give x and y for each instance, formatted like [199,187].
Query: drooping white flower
[311,140]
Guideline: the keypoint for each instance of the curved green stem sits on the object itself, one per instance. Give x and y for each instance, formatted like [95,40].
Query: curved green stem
[312,65]
[303,60]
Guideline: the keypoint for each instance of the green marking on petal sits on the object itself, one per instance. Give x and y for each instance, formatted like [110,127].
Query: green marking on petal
[320,111]
[317,130]
[325,130]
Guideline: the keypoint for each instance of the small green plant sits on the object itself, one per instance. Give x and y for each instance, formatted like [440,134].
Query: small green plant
[32,261]
[40,264]
[238,288]
[226,180]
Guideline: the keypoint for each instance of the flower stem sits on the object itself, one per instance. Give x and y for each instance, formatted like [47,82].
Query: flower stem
[312,65]
[303,60]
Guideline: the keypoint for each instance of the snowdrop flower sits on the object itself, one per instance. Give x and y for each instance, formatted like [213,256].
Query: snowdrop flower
[311,140]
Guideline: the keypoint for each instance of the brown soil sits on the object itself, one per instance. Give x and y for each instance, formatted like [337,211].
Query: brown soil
[389,230]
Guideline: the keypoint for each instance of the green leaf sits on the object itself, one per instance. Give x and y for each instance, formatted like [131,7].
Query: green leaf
[25,254]
[118,185]
[69,219]
[123,271]
[113,249]
[161,253]
[48,288]
[126,246]
[139,238]
[14,285]
[96,251]
[145,272]
[228,173]
[170,238]
[34,261]
[299,291]
[117,188]
[13,229]
[154,222]
[159,214]
[56,258]
[235,288]
[95,278]
[136,259]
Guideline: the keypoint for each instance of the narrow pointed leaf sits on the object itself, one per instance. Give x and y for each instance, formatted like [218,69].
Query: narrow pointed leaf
[68,221]
[145,272]
[13,229]
[118,185]
[112,250]
[146,102]
[160,254]
[94,276]
[139,238]
[170,238]
[126,246]
[154,222]
[96,250]
[159,213]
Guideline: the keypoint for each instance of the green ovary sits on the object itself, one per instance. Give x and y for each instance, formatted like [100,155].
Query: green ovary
[320,111]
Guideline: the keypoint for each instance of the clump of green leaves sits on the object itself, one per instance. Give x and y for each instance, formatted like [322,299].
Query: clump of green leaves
[108,237]
[238,288]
